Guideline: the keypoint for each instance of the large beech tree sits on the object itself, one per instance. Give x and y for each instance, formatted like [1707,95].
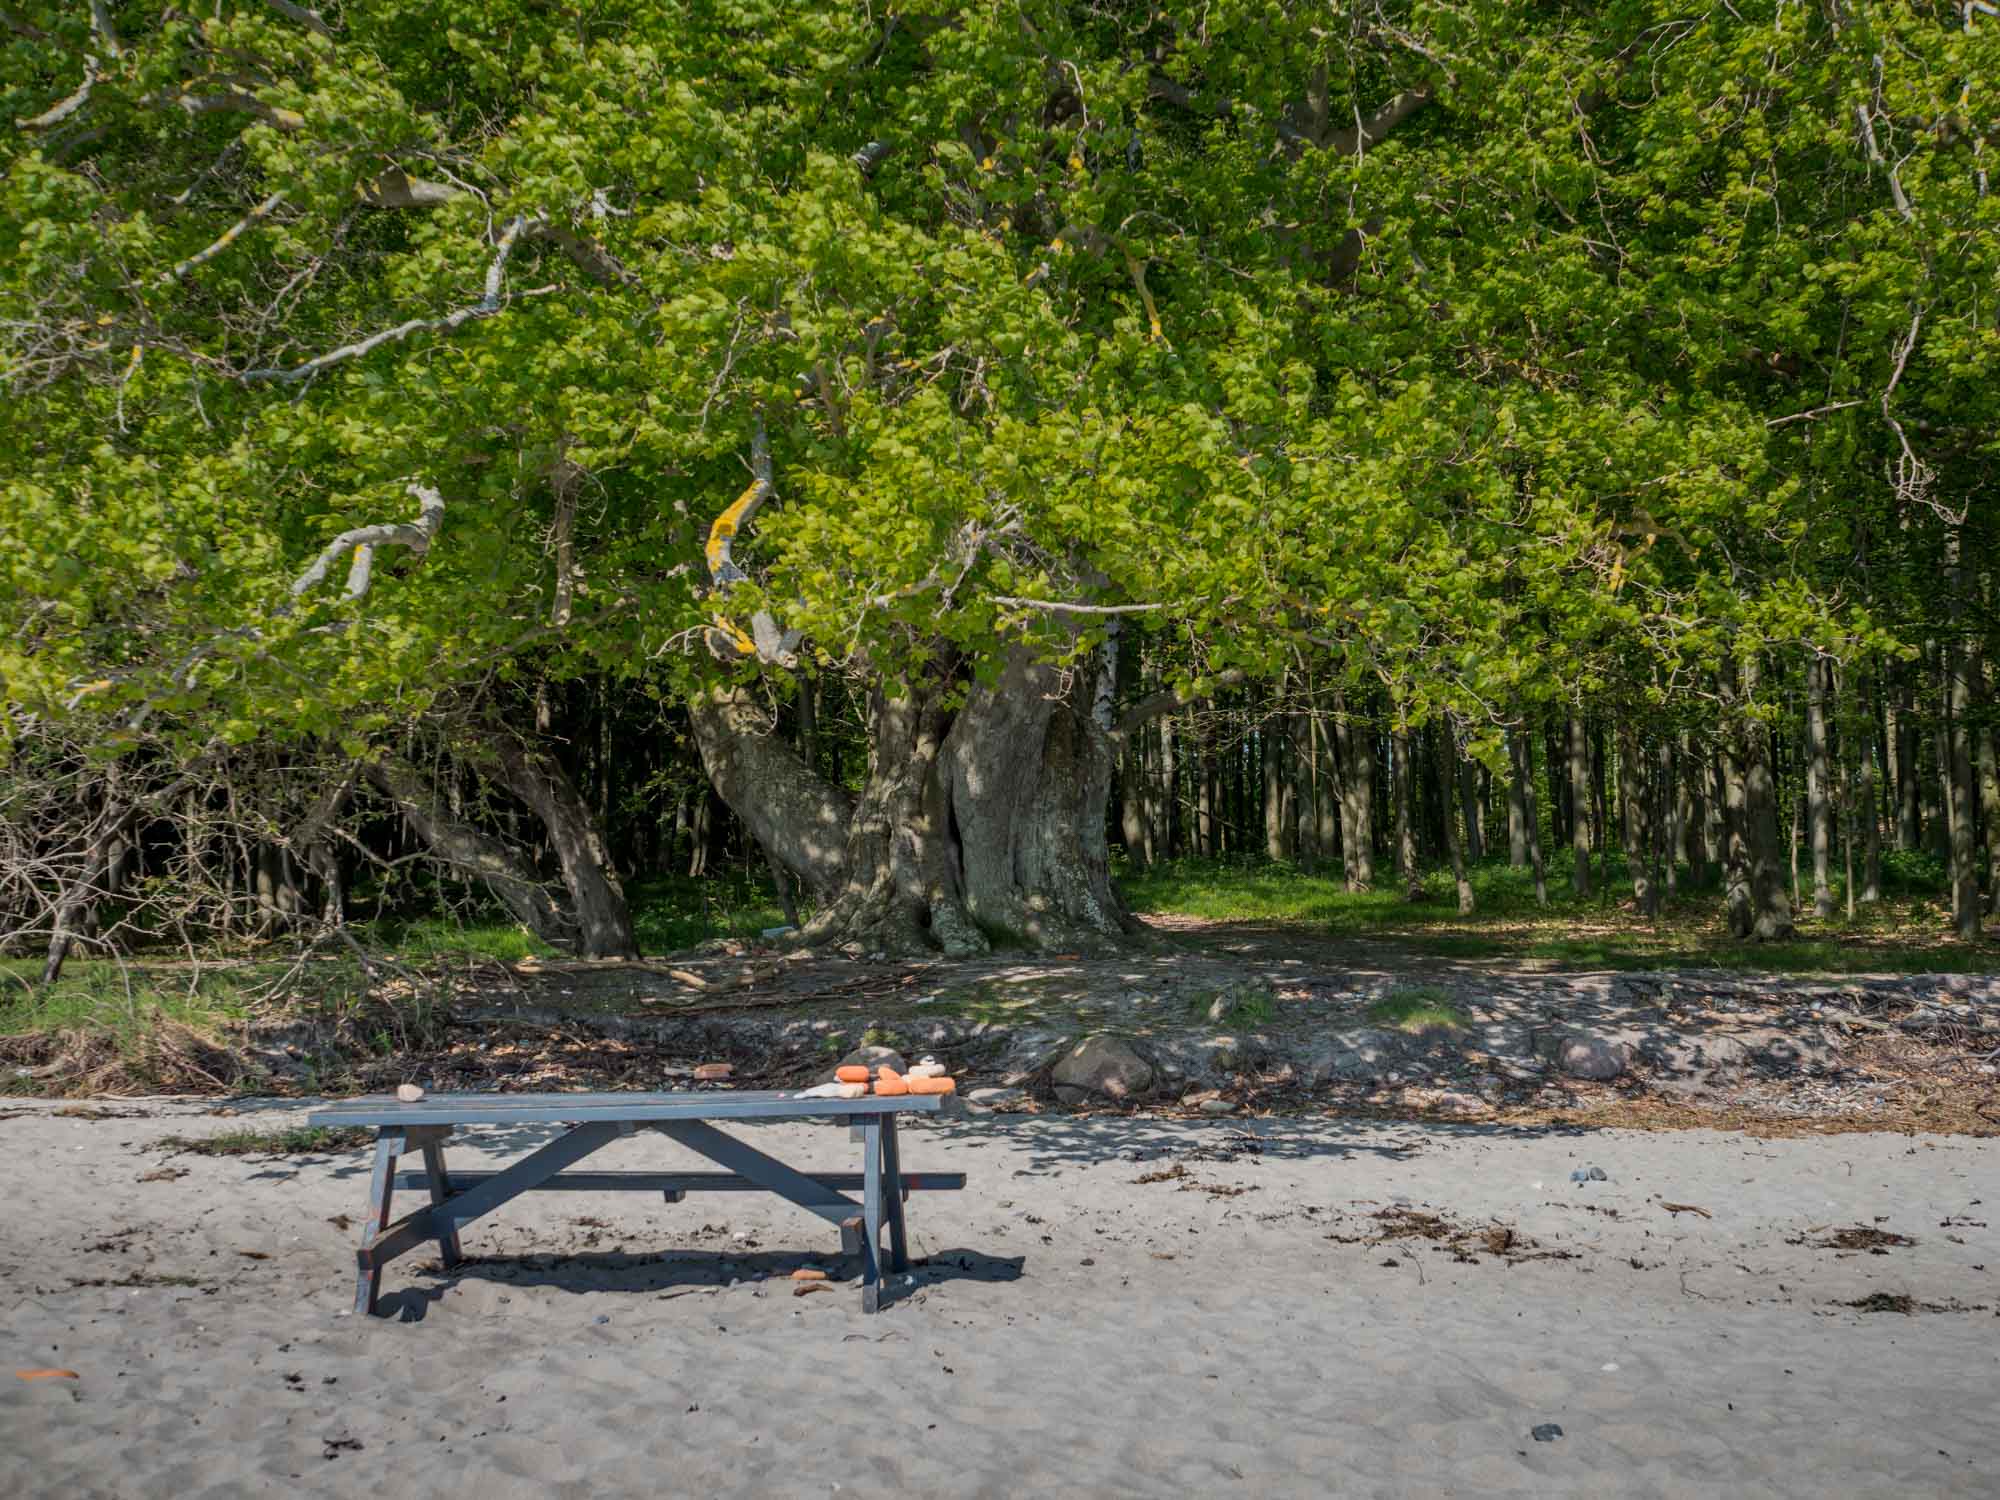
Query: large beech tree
[1479,358]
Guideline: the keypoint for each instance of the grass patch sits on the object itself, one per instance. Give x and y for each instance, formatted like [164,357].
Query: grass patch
[1241,1007]
[1423,1007]
[1908,931]
[292,1140]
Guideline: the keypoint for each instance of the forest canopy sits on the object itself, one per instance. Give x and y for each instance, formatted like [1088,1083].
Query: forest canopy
[909,426]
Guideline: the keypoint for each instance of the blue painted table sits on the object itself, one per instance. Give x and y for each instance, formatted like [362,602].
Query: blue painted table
[594,1120]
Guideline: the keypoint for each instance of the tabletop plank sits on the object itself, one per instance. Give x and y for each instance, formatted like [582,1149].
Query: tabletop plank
[526,1109]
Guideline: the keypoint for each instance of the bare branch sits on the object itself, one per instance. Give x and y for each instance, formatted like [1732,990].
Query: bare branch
[1168,699]
[592,257]
[416,535]
[564,481]
[1376,127]
[1814,414]
[306,18]
[227,238]
[236,102]
[1867,119]
[485,307]
[766,641]
[1058,607]
[395,188]
[64,108]
[100,22]
[722,535]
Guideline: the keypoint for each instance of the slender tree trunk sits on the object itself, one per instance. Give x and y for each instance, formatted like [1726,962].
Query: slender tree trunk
[1466,775]
[1521,748]
[1302,790]
[701,835]
[1671,813]
[1517,804]
[1357,801]
[1865,807]
[1738,900]
[1449,772]
[1692,813]
[1962,664]
[1326,784]
[1274,790]
[1579,792]
[1132,820]
[1638,840]
[1760,800]
[1819,783]
[1989,792]
[1406,838]
[1904,773]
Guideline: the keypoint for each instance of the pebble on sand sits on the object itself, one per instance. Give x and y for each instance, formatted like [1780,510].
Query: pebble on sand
[1548,1432]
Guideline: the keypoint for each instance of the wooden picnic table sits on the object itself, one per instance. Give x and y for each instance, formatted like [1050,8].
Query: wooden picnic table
[594,1120]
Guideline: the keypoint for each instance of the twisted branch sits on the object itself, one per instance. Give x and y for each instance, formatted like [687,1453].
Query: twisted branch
[417,535]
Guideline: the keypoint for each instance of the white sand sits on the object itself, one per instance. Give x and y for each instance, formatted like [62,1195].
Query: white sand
[1076,1331]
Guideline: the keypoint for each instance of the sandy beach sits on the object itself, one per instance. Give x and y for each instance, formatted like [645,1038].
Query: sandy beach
[1116,1306]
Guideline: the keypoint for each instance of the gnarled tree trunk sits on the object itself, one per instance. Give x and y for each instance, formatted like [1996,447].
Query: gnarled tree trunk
[597,900]
[979,822]
[472,851]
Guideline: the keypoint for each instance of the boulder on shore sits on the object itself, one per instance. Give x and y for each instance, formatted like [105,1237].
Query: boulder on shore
[1104,1067]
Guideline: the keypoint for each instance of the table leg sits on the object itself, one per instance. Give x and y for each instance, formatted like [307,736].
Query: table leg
[381,1190]
[871,1213]
[440,1186]
[892,1188]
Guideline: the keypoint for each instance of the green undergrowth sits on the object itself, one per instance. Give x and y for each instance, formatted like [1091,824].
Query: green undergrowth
[1424,1007]
[1909,930]
[291,1140]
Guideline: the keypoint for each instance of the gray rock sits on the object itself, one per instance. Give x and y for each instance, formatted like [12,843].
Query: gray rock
[998,1098]
[1583,1056]
[1548,1432]
[1103,1067]
[869,1057]
[1363,1056]
[1216,1106]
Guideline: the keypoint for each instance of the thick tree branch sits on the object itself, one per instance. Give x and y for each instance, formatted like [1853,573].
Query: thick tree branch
[307,18]
[100,22]
[62,109]
[1167,700]
[236,102]
[765,641]
[1376,127]
[395,188]
[417,535]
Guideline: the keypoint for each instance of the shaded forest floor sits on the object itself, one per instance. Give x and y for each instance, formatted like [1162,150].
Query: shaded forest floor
[1259,989]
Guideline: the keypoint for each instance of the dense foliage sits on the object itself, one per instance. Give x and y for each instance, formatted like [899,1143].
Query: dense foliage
[1474,363]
